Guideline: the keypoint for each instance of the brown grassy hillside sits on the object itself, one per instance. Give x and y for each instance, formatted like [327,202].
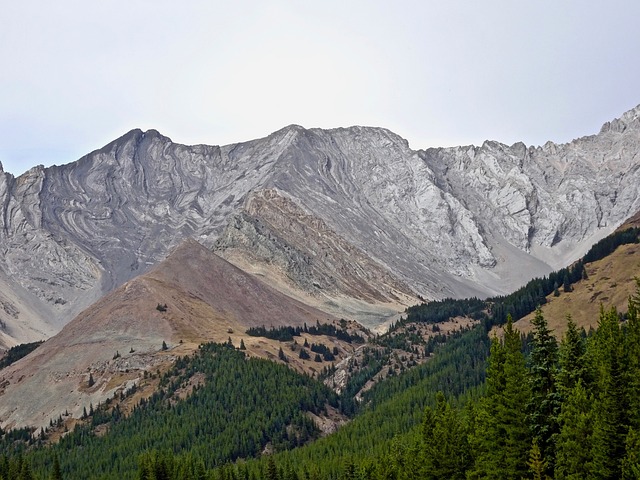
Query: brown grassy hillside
[610,282]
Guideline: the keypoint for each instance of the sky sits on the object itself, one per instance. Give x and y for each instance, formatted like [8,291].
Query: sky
[76,75]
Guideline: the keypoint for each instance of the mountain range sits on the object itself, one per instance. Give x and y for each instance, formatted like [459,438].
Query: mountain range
[140,251]
[350,220]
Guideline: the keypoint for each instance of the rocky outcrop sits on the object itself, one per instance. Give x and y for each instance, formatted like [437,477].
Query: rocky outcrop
[439,222]
[552,197]
[275,238]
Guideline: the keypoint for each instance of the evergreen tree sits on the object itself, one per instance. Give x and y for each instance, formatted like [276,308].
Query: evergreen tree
[501,439]
[632,349]
[536,464]
[25,472]
[571,360]
[544,404]
[282,356]
[445,442]
[573,444]
[349,471]
[272,470]
[610,404]
[56,473]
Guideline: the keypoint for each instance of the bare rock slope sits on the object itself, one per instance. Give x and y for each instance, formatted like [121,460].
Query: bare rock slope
[202,298]
[436,223]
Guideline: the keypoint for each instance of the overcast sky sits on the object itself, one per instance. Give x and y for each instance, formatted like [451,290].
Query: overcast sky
[75,75]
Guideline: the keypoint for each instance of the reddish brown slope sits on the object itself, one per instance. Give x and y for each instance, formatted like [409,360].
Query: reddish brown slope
[206,298]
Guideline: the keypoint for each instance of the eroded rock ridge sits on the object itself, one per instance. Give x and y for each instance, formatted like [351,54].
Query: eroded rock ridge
[351,212]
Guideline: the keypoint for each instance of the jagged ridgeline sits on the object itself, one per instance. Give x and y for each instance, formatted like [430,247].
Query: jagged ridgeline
[351,219]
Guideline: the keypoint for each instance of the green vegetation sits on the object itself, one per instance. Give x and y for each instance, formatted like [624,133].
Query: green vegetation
[509,408]
[286,334]
[565,411]
[16,353]
[240,408]
[494,311]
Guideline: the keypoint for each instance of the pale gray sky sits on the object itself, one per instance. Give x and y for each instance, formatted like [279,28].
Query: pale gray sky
[78,74]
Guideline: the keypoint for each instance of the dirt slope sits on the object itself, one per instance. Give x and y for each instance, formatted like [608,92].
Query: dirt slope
[122,335]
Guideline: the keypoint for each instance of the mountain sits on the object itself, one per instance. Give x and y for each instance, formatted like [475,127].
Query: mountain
[609,282]
[194,296]
[444,222]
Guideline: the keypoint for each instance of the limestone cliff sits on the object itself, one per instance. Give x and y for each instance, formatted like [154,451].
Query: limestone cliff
[439,222]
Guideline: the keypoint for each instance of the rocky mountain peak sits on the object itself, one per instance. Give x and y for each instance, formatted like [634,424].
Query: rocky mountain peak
[443,222]
[630,119]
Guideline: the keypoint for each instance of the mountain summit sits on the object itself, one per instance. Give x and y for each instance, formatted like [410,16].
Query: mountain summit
[436,223]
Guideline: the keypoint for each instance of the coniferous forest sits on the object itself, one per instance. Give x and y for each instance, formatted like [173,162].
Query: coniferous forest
[516,406]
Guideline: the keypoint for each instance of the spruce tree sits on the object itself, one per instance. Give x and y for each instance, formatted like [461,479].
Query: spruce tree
[501,439]
[282,356]
[544,404]
[610,423]
[631,460]
[56,473]
[272,470]
[573,443]
[445,442]
[632,349]
[536,464]
[571,360]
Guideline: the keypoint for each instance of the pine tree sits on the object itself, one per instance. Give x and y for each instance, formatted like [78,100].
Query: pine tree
[272,470]
[632,349]
[56,473]
[282,356]
[544,404]
[571,360]
[536,464]
[501,437]
[631,460]
[573,444]
[445,442]
[242,346]
[610,421]
[349,471]
[574,384]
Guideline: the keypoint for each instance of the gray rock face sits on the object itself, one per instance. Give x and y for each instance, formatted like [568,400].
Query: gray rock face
[443,222]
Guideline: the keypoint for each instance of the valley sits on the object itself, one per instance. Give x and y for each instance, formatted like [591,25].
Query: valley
[289,307]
